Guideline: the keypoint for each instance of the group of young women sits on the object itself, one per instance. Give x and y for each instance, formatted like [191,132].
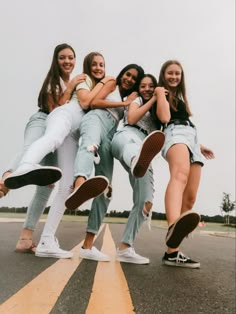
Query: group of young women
[75,131]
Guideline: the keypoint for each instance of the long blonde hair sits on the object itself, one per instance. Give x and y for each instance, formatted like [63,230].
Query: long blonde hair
[180,90]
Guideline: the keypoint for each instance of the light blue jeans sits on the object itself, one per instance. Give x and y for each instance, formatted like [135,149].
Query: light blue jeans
[100,204]
[34,129]
[125,145]
[97,127]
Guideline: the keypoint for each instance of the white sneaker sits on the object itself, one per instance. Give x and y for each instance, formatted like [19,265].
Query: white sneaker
[94,254]
[28,174]
[129,256]
[49,247]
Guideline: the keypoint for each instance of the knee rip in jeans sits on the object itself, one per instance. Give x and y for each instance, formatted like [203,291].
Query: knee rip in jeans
[94,149]
[147,208]
[108,192]
[147,213]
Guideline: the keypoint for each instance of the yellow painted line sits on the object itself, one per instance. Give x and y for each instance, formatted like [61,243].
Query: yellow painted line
[110,292]
[40,295]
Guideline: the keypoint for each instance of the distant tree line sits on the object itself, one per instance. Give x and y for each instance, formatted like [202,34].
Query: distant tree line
[124,214]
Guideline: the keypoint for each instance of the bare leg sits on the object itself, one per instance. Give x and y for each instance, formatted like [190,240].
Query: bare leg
[79,181]
[191,189]
[88,241]
[25,242]
[190,192]
[179,166]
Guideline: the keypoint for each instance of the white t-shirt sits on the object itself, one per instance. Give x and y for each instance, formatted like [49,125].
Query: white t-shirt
[146,122]
[87,84]
[117,112]
[63,87]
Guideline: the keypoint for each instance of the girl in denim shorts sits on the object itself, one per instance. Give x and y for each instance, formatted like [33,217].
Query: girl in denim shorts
[185,157]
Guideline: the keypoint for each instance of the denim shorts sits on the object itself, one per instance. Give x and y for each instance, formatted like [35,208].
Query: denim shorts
[183,134]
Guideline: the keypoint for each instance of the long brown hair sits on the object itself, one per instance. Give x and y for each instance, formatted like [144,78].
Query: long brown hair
[180,89]
[52,78]
[87,65]
[140,75]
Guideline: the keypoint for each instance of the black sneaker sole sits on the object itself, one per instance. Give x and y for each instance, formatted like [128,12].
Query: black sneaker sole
[41,177]
[89,189]
[152,145]
[183,226]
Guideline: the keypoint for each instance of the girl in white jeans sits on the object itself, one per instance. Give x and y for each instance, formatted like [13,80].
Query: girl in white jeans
[55,91]
[61,124]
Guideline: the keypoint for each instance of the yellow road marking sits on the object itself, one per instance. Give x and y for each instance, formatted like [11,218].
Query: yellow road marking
[41,294]
[110,293]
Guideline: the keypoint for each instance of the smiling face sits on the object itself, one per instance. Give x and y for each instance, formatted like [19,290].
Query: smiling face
[172,75]
[128,79]
[98,67]
[66,61]
[146,88]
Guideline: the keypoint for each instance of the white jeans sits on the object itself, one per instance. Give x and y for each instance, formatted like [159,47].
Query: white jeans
[66,155]
[59,124]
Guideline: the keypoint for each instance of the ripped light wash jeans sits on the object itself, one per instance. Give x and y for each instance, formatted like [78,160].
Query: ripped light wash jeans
[126,144]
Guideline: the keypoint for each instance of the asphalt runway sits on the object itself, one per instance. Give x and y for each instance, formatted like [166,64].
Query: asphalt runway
[31,285]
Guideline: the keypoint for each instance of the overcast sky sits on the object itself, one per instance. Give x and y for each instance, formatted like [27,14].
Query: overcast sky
[200,34]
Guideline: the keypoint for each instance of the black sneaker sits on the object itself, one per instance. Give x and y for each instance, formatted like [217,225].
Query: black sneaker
[184,225]
[180,260]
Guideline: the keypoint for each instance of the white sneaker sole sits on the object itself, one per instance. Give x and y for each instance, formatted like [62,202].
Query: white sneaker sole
[53,255]
[139,262]
[93,258]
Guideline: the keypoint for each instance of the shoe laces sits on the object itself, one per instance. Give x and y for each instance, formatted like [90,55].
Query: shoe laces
[56,242]
[181,257]
[132,251]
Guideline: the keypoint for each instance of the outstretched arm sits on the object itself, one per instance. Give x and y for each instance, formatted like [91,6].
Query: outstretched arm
[207,153]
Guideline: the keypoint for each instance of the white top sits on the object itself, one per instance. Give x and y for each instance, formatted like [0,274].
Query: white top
[117,112]
[146,122]
[87,84]
[63,87]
